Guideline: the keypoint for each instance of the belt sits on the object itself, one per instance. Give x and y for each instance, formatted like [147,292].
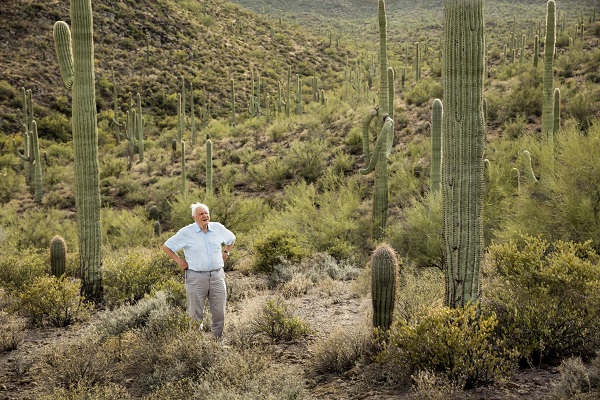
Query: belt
[204,272]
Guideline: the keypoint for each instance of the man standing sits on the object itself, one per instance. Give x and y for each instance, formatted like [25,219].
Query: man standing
[205,257]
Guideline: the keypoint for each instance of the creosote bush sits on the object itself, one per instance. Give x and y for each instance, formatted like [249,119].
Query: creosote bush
[131,274]
[546,298]
[54,301]
[275,247]
[454,342]
[277,322]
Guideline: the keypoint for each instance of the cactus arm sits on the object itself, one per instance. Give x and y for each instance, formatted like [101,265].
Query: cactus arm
[18,153]
[64,53]
[382,147]
[436,145]
[365,138]
[383,81]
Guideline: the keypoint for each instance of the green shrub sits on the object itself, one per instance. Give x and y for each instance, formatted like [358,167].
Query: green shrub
[277,322]
[546,298]
[55,126]
[417,235]
[423,91]
[7,92]
[454,342]
[34,228]
[277,246]
[18,270]
[54,301]
[306,159]
[125,228]
[12,183]
[129,275]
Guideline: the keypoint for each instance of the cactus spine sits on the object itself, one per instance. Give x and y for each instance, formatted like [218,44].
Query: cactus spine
[384,278]
[58,256]
[85,138]
[436,145]
[462,149]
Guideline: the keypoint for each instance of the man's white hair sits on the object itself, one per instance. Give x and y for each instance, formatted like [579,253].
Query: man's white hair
[199,205]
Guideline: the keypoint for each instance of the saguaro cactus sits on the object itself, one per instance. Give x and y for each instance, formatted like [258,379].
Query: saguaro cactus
[436,145]
[31,150]
[556,110]
[384,278]
[378,160]
[76,61]
[547,85]
[209,169]
[58,256]
[462,149]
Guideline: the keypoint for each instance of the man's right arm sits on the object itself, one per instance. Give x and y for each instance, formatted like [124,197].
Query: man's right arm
[183,265]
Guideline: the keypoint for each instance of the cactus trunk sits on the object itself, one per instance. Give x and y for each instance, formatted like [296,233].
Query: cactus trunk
[462,149]
[436,146]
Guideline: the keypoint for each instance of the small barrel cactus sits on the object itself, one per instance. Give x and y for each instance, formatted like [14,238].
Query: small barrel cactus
[58,256]
[384,273]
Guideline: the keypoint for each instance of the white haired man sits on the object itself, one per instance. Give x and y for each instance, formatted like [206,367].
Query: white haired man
[202,243]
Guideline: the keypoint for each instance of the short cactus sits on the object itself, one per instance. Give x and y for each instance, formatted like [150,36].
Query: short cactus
[58,256]
[384,278]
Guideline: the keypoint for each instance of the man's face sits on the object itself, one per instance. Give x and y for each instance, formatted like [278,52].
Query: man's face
[201,216]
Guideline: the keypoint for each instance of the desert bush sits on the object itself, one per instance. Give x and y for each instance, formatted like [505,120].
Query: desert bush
[12,183]
[275,247]
[12,331]
[130,274]
[341,350]
[322,220]
[36,227]
[276,320]
[105,391]
[526,96]
[154,313]
[424,91]
[54,301]
[417,234]
[124,228]
[55,126]
[78,362]
[546,298]
[515,127]
[306,159]
[453,342]
[18,270]
[436,386]
[574,379]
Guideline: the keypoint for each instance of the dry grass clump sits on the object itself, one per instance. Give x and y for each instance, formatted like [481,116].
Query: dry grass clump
[341,351]
[12,332]
[431,386]
[578,381]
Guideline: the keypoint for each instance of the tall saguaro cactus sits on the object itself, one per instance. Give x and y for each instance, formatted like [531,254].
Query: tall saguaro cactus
[378,160]
[462,149]
[209,167]
[76,60]
[547,85]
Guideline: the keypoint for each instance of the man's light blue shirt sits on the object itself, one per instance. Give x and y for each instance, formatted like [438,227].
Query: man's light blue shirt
[202,251]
